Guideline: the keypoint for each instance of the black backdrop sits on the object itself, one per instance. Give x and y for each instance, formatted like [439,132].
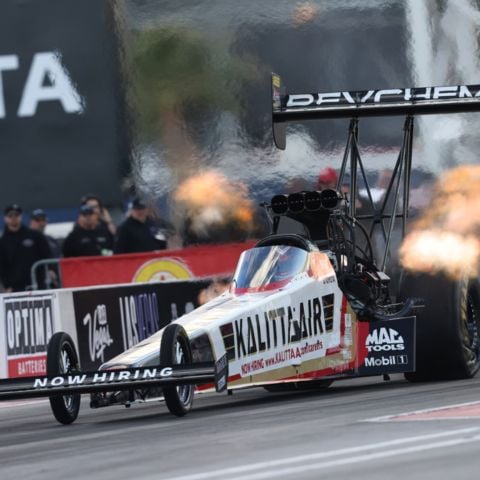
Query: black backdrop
[51,158]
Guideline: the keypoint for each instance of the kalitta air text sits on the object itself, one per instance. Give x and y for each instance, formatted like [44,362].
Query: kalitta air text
[279,327]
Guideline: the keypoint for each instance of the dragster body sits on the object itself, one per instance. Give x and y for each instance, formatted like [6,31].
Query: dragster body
[295,327]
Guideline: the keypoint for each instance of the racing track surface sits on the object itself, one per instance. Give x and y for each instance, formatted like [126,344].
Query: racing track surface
[254,435]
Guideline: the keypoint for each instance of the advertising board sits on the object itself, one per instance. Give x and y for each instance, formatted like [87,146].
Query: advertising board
[165,265]
[111,320]
[29,323]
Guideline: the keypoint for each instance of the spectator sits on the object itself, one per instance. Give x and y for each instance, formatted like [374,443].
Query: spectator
[106,221]
[87,237]
[138,233]
[20,248]
[38,222]
[327,178]
[216,288]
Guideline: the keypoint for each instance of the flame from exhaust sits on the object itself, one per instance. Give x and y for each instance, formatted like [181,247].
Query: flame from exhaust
[445,238]
[433,251]
[212,200]
[304,12]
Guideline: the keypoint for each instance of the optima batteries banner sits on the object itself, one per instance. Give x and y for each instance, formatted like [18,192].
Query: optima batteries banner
[29,324]
[111,320]
[61,102]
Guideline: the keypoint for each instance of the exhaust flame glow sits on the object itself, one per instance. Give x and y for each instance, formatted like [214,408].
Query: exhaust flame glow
[446,237]
[212,201]
[433,251]
[304,12]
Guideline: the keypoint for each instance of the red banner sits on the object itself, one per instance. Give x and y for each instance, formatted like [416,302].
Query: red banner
[191,262]
[27,366]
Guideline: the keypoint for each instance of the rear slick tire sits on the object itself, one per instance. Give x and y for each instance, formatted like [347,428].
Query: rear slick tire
[175,350]
[447,328]
[62,359]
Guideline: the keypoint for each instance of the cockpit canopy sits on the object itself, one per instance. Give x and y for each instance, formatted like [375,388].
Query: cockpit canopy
[267,268]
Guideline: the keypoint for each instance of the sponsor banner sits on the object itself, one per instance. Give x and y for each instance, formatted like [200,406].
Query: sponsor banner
[191,262]
[96,378]
[389,347]
[59,87]
[29,323]
[377,97]
[27,365]
[85,382]
[287,330]
[111,320]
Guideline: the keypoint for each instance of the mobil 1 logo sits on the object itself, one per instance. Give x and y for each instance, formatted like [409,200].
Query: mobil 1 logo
[390,347]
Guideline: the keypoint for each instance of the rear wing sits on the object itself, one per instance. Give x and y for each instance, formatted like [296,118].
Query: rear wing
[367,103]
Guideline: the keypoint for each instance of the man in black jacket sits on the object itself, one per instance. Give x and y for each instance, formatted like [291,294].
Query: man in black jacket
[138,233]
[38,222]
[87,238]
[20,248]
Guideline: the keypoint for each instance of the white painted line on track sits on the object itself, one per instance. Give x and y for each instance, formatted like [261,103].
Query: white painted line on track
[358,459]
[64,440]
[277,468]
[398,416]
[21,403]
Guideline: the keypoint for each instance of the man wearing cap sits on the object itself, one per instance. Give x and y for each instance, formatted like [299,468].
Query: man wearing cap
[38,222]
[106,221]
[87,237]
[138,233]
[20,248]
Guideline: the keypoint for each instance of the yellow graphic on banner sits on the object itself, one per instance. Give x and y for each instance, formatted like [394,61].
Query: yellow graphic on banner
[162,271]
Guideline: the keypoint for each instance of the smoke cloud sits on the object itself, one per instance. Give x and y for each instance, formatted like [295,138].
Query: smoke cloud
[446,237]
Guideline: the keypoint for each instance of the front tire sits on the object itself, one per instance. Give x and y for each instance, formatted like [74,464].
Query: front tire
[62,359]
[448,327]
[175,350]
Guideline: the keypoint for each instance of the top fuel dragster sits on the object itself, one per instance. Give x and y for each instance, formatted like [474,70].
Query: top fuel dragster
[310,303]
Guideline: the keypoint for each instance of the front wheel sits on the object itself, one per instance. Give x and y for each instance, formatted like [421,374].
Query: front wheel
[175,350]
[62,359]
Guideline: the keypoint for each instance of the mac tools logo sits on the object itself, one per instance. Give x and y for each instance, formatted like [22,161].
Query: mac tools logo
[384,340]
[390,347]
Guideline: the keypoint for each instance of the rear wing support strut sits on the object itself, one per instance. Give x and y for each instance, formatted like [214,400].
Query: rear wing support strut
[397,193]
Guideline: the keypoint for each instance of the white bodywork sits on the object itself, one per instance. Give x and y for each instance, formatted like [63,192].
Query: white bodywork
[301,330]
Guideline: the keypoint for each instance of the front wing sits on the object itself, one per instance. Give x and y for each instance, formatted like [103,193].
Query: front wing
[116,380]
